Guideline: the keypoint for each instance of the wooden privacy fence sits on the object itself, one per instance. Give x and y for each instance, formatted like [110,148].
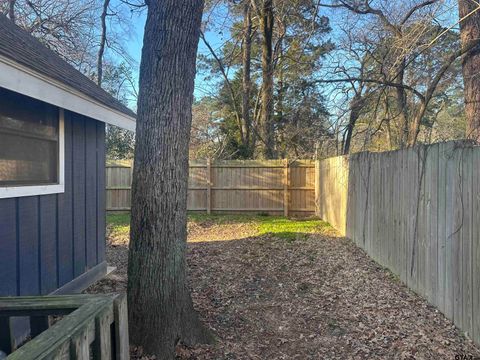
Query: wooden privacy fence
[416,212]
[231,186]
[332,185]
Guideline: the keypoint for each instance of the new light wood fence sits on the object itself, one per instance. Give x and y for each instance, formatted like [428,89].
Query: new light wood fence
[278,187]
[416,212]
[332,185]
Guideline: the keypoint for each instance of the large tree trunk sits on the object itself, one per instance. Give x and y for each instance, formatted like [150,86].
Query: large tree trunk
[161,311]
[401,104]
[470,31]
[103,40]
[356,107]
[281,84]
[246,81]
[266,125]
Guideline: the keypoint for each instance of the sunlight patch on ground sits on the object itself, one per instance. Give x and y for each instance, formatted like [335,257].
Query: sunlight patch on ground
[118,228]
[207,228]
[292,229]
[276,295]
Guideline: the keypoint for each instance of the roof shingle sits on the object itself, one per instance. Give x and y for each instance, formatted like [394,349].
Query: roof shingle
[18,45]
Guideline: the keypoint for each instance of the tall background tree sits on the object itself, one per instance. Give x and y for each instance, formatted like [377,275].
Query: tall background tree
[161,311]
[389,75]
[261,78]
[469,12]
[280,77]
[397,73]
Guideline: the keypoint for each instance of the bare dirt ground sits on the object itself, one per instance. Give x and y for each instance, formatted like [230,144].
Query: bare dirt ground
[311,296]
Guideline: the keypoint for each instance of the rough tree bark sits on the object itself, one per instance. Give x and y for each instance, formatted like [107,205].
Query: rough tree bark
[11,10]
[401,103]
[356,106]
[470,32]
[432,86]
[266,125]
[103,40]
[246,81]
[161,312]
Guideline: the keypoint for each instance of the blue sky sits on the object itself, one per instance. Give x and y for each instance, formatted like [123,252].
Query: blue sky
[220,34]
[134,46]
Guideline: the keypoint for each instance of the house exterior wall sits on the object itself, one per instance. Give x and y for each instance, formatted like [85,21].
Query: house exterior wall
[56,243]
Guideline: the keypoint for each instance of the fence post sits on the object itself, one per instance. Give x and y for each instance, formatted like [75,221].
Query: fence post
[255,186]
[285,187]
[317,181]
[209,186]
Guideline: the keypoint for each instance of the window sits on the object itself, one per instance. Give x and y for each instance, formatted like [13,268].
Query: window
[31,146]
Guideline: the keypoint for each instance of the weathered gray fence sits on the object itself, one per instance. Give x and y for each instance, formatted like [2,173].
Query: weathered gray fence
[86,327]
[416,212]
[231,186]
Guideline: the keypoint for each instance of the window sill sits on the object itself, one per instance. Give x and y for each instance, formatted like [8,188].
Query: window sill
[21,191]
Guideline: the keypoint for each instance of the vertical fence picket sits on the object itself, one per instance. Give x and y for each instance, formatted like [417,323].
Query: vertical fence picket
[209,186]
[226,186]
[285,188]
[417,212]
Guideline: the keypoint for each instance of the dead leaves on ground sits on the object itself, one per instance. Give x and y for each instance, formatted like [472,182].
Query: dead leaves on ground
[318,297]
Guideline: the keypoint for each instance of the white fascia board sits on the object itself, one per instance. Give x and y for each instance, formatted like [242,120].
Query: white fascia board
[22,80]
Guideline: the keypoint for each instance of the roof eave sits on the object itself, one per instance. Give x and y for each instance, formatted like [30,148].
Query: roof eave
[23,80]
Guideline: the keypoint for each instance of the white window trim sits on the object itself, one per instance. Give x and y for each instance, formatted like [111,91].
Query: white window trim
[35,190]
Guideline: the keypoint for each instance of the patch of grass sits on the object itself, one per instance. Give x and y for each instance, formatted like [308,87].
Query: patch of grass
[120,219]
[221,219]
[119,224]
[284,228]
[291,229]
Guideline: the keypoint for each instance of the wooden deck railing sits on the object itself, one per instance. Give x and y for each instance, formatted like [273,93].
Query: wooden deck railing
[86,327]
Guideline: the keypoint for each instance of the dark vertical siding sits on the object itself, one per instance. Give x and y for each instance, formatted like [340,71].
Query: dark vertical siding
[47,241]
[101,201]
[79,208]
[8,247]
[28,236]
[91,192]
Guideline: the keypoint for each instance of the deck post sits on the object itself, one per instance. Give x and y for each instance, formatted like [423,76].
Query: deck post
[92,326]
[120,313]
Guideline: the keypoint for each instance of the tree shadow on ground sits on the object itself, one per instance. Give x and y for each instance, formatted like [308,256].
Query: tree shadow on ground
[302,295]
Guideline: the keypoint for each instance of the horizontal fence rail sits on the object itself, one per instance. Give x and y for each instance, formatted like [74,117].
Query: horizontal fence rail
[232,186]
[86,327]
[417,212]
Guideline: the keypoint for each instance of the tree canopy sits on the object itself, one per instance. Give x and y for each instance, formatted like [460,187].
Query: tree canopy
[347,75]
[281,78]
